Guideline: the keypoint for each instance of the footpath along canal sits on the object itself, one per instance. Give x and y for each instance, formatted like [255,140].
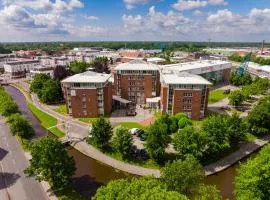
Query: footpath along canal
[91,174]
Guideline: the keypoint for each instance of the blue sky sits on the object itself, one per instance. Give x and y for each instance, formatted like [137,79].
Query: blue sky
[98,20]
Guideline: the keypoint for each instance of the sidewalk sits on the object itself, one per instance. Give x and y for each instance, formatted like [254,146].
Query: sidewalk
[244,151]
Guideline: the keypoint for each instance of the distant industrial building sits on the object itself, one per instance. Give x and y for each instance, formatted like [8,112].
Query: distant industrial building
[88,94]
[262,71]
[213,70]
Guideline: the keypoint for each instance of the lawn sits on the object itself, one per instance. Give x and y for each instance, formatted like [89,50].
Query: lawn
[92,119]
[216,95]
[46,120]
[62,109]
[130,125]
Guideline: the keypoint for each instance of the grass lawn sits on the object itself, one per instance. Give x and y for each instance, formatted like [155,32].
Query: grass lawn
[216,95]
[62,109]
[130,125]
[92,119]
[249,137]
[46,120]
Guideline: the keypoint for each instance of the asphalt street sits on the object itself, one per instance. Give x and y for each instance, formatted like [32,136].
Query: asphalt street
[14,185]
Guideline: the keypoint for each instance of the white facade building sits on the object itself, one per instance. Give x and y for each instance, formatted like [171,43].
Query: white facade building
[20,68]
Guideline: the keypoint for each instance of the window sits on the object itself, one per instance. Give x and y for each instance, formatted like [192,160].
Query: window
[187,107]
[188,94]
[84,99]
[187,101]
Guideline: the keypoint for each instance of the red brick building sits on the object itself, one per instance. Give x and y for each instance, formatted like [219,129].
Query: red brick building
[184,92]
[88,94]
[136,81]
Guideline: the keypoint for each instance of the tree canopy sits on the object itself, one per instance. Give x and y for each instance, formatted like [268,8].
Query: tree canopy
[190,141]
[137,189]
[7,105]
[47,89]
[156,141]
[253,178]
[236,98]
[122,141]
[78,67]
[183,176]
[20,126]
[100,133]
[259,117]
[50,162]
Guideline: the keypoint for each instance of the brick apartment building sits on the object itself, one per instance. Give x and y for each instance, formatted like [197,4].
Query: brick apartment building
[182,87]
[136,81]
[88,94]
[184,92]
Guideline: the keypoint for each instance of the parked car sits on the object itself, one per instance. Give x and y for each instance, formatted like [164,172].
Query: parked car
[136,131]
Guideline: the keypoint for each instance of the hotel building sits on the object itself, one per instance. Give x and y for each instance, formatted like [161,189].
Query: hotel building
[184,92]
[88,94]
[136,81]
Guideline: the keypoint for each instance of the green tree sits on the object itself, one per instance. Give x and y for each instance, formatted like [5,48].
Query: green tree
[253,178]
[137,189]
[237,127]
[259,118]
[183,122]
[50,162]
[101,65]
[7,105]
[20,126]
[78,67]
[8,108]
[190,141]
[207,192]
[60,72]
[51,92]
[236,98]
[218,138]
[157,140]
[180,115]
[122,141]
[38,82]
[101,133]
[183,176]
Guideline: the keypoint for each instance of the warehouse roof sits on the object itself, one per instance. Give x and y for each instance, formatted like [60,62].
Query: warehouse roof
[200,67]
[87,77]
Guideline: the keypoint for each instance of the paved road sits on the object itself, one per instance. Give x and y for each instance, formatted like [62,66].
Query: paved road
[13,183]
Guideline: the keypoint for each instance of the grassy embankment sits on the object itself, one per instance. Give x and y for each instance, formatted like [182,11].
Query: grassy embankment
[216,96]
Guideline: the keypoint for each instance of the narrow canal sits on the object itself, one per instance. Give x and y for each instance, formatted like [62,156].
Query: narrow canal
[91,174]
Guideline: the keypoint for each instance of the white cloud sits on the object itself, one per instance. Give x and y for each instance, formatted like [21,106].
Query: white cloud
[156,22]
[198,13]
[217,2]
[221,16]
[130,4]
[46,5]
[182,5]
[91,17]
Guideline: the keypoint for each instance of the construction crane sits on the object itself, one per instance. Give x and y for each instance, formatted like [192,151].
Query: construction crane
[243,67]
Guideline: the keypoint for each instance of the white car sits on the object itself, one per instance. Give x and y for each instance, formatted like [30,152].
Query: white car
[134,131]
